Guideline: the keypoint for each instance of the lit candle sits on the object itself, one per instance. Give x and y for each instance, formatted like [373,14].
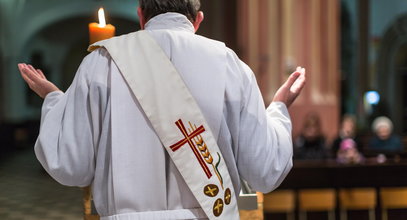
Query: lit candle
[101,31]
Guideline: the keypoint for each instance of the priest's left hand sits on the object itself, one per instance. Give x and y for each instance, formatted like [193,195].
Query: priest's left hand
[36,80]
[290,90]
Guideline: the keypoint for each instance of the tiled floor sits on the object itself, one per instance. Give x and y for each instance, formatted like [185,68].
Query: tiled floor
[28,193]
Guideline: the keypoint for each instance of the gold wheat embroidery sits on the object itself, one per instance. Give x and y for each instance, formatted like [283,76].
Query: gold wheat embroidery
[203,148]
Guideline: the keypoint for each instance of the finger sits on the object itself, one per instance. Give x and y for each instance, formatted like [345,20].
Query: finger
[291,80]
[303,75]
[20,67]
[34,70]
[41,74]
[26,68]
[302,71]
[31,74]
[299,83]
[27,80]
[25,77]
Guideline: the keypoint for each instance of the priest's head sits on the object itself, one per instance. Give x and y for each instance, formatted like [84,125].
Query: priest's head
[190,8]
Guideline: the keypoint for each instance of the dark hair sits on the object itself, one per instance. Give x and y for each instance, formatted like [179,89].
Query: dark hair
[152,8]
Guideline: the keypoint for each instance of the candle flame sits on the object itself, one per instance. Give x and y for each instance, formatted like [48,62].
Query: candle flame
[102,21]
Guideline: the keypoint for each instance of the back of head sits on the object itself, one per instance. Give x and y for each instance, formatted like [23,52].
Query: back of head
[152,8]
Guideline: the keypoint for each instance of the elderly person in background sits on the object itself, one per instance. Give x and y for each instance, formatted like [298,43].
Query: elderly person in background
[384,140]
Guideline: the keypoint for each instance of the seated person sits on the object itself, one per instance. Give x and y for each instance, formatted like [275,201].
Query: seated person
[311,142]
[347,130]
[384,140]
[348,152]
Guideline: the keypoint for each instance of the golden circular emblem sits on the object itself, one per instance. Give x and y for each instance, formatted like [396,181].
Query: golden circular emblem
[228,196]
[218,207]
[211,190]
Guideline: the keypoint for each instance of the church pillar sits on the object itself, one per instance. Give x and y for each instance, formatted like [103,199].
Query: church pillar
[364,80]
[2,72]
[275,36]
[1,86]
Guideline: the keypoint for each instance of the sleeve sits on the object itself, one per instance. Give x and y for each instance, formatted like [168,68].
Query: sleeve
[65,145]
[265,141]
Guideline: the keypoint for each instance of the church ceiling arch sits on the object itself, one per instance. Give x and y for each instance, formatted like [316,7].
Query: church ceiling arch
[38,19]
[59,52]
[22,27]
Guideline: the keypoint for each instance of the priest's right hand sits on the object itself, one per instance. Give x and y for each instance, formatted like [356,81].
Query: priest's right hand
[36,80]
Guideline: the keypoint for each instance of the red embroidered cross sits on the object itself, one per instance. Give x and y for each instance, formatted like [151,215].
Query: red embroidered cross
[188,139]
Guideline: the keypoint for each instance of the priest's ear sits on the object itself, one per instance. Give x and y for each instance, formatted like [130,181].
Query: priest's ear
[141,18]
[199,18]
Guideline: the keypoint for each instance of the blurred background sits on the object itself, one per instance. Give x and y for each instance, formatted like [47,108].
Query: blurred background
[355,53]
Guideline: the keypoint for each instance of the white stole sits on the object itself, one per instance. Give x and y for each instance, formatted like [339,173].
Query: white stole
[177,120]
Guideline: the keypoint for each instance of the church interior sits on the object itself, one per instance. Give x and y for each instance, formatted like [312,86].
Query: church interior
[355,54]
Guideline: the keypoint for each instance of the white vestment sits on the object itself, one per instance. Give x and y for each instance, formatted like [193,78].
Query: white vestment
[96,133]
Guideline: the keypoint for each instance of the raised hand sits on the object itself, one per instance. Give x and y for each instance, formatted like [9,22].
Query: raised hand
[36,80]
[290,90]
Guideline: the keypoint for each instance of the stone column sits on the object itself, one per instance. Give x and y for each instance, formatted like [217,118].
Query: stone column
[275,36]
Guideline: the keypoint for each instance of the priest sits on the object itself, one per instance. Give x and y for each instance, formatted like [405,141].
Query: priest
[163,123]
